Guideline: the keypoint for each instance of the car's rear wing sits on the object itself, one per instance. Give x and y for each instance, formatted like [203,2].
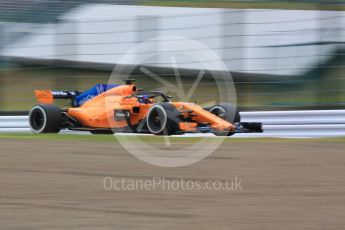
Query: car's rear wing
[77,98]
[48,96]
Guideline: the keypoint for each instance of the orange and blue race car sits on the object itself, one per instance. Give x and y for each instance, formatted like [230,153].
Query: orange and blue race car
[109,108]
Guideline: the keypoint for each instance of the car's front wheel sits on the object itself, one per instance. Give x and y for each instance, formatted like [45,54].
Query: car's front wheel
[227,112]
[162,119]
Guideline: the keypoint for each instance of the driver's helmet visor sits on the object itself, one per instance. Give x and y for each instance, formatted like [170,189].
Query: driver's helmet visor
[144,99]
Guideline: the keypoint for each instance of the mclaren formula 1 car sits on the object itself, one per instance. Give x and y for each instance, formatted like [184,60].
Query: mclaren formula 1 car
[108,108]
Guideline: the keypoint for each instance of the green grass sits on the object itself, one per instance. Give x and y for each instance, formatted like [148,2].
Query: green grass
[154,139]
[92,138]
[14,96]
[21,96]
[293,5]
[320,86]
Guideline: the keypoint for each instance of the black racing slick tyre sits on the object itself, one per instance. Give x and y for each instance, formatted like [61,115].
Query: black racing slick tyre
[227,112]
[163,119]
[45,118]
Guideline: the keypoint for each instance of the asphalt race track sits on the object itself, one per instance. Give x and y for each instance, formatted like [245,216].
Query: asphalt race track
[285,184]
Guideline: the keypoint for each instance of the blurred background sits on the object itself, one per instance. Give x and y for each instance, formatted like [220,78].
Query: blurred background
[281,54]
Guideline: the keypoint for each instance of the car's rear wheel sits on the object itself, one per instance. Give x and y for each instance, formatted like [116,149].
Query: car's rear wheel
[162,119]
[45,118]
[227,112]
